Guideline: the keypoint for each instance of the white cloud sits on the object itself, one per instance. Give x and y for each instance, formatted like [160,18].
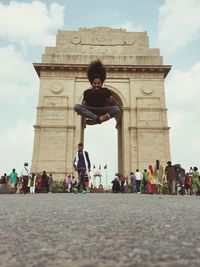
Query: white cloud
[179,23]
[183,89]
[16,145]
[30,23]
[18,81]
[183,94]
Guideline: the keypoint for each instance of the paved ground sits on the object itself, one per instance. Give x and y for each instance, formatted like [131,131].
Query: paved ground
[99,230]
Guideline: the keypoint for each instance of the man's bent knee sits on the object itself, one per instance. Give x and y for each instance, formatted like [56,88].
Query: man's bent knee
[116,109]
[77,107]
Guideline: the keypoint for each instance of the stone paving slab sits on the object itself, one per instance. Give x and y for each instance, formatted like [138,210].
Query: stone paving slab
[100,230]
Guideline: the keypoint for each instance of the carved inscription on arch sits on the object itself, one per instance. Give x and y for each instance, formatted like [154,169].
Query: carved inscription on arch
[101,39]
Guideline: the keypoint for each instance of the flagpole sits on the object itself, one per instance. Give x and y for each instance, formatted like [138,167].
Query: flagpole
[106,178]
[93,176]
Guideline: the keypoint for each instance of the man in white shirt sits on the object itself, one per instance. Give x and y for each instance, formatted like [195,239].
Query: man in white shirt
[25,175]
[139,178]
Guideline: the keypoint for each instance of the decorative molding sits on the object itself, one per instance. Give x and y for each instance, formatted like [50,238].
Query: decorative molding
[42,126]
[56,89]
[147,91]
[134,128]
[77,68]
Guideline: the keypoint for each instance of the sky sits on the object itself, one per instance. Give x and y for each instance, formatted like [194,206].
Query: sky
[26,27]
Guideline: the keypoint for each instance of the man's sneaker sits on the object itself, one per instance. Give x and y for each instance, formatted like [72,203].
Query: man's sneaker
[104,118]
[90,122]
[75,190]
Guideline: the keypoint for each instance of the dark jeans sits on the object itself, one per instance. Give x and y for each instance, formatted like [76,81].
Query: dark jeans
[133,186]
[24,184]
[138,185]
[145,186]
[122,187]
[81,179]
[94,112]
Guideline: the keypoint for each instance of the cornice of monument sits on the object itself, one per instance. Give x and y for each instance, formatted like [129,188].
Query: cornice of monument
[39,67]
[134,128]
[54,126]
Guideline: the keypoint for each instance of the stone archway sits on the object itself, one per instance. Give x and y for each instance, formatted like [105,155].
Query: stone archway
[118,126]
[135,74]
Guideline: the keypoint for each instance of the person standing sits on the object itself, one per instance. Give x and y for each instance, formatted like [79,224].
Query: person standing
[74,185]
[139,178]
[3,188]
[133,183]
[150,182]
[122,182]
[158,176]
[13,181]
[187,184]
[25,175]
[195,181]
[39,183]
[82,166]
[99,105]
[44,182]
[170,172]
[68,183]
[32,183]
[145,180]
[50,182]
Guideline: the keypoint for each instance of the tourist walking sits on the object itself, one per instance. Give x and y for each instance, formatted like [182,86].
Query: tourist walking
[13,181]
[170,172]
[82,166]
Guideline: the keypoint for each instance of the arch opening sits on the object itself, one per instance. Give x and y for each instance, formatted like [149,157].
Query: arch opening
[103,142]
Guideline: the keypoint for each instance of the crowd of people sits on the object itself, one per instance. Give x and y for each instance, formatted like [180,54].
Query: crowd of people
[156,179]
[153,179]
[26,182]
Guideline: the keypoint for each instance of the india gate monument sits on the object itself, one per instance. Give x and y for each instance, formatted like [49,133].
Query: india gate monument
[135,75]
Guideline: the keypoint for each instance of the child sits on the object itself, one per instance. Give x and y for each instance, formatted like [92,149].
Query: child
[74,185]
[68,183]
[178,189]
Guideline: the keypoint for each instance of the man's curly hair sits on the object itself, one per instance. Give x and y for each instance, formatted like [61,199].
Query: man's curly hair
[96,70]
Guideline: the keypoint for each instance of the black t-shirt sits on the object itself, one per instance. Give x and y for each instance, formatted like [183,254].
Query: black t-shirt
[96,98]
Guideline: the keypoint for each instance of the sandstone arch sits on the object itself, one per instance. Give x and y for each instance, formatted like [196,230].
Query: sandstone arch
[135,74]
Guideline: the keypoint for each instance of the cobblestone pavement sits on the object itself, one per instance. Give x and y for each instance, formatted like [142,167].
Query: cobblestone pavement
[100,230]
